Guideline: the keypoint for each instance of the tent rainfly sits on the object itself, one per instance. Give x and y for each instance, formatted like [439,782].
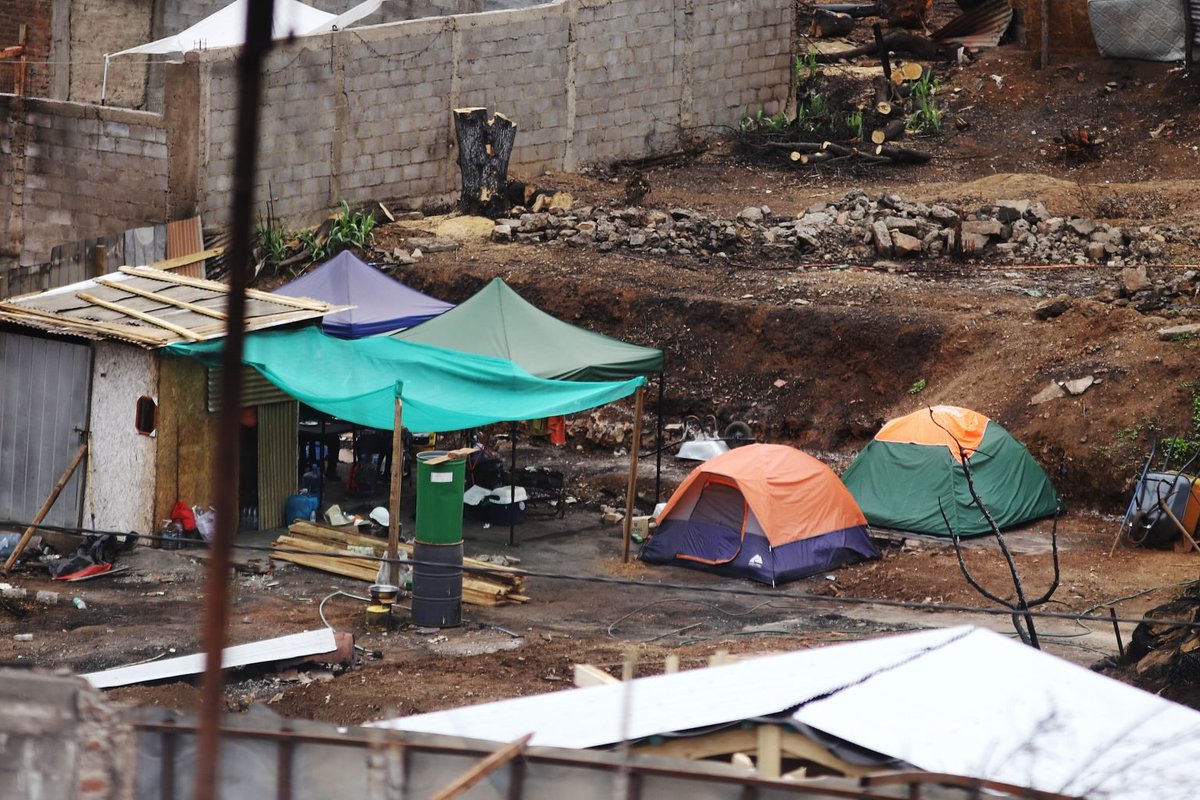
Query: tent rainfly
[496,321]
[914,471]
[764,511]
[380,303]
[227,28]
[359,380]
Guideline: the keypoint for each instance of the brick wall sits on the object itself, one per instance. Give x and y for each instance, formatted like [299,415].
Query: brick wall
[72,171]
[107,26]
[37,16]
[366,114]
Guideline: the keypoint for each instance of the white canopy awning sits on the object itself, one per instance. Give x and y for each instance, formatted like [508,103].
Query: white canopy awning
[227,28]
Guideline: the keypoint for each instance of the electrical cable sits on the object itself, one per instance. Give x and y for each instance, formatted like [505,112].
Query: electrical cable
[734,591]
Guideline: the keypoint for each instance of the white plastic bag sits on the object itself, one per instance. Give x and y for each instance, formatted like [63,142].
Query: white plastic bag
[206,522]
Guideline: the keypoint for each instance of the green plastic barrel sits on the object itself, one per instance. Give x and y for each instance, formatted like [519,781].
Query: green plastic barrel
[439,498]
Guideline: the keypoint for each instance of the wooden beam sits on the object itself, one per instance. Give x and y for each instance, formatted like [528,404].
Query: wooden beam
[633,464]
[770,750]
[184,261]
[46,506]
[748,740]
[589,675]
[144,317]
[222,288]
[484,768]
[168,301]
[82,326]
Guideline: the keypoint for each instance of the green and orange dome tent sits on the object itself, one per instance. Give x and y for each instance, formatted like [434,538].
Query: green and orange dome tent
[917,461]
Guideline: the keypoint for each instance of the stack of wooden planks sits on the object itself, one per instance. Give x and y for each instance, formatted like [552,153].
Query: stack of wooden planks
[333,550]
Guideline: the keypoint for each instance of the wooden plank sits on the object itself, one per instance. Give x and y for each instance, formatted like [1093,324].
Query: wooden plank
[186,261]
[46,506]
[251,294]
[484,768]
[148,318]
[589,675]
[163,299]
[63,324]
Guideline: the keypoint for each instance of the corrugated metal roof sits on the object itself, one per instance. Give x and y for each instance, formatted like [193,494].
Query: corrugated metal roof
[982,26]
[151,308]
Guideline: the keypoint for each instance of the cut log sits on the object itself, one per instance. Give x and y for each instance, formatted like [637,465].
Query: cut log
[852,10]
[921,47]
[827,24]
[908,71]
[484,147]
[890,132]
[902,155]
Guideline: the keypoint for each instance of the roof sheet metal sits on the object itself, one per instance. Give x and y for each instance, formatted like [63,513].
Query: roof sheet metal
[152,308]
[962,700]
[604,715]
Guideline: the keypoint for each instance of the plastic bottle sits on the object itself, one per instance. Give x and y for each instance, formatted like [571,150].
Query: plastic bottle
[78,603]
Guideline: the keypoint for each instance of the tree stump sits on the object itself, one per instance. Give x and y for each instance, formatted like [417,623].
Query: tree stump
[484,147]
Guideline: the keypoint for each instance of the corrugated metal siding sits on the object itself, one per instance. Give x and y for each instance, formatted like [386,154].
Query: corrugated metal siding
[44,386]
[185,237]
[256,390]
[278,459]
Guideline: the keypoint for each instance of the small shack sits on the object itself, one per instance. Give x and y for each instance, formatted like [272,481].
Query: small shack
[83,366]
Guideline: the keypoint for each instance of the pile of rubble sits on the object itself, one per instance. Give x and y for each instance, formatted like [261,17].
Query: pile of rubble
[856,228]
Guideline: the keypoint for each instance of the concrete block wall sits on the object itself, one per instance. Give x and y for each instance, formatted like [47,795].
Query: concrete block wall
[74,170]
[366,113]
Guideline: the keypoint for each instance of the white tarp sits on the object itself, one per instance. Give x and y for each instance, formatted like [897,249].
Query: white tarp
[227,27]
[961,700]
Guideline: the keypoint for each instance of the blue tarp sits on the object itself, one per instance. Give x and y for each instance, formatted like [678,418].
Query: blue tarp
[382,303]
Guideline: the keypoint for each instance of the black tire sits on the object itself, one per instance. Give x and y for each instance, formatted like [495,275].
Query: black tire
[738,434]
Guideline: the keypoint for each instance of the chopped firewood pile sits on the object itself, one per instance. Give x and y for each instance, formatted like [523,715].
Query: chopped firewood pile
[352,555]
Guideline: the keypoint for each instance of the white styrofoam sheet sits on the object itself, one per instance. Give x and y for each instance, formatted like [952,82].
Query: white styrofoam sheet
[308,643]
[604,715]
[990,707]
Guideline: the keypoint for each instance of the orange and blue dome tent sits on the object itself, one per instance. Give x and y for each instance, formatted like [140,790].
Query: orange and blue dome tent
[913,471]
[763,511]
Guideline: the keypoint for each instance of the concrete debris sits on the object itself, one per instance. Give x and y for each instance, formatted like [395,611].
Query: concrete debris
[1053,391]
[1179,332]
[858,228]
[1079,385]
[1054,307]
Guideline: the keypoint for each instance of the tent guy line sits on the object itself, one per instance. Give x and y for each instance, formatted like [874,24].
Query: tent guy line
[720,590]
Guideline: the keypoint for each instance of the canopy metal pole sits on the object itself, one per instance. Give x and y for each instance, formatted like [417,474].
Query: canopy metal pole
[104,81]
[397,470]
[633,461]
[512,487]
[659,440]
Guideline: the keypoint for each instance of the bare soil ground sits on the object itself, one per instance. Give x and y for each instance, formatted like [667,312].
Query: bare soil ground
[848,357]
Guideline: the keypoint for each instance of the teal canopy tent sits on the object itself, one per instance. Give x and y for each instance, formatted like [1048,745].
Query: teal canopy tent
[442,390]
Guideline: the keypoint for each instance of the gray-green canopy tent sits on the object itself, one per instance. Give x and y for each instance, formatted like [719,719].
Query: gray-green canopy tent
[496,321]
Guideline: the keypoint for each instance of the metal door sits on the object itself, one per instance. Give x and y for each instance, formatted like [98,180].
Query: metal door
[44,394]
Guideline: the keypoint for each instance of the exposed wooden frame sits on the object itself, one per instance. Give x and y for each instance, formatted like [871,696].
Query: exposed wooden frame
[768,747]
[149,319]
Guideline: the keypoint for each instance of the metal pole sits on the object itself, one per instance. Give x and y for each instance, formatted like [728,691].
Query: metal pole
[393,546]
[633,461]
[659,440]
[512,487]
[225,469]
